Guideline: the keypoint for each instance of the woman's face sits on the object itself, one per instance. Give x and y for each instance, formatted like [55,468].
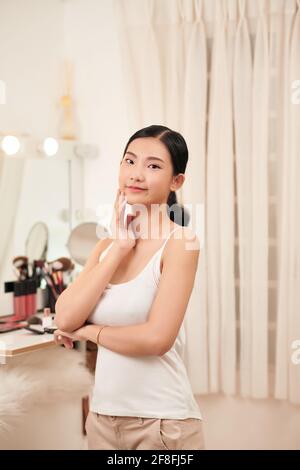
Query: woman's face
[146,164]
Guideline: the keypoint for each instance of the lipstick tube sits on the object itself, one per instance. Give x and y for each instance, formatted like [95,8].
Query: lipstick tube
[19,300]
[31,297]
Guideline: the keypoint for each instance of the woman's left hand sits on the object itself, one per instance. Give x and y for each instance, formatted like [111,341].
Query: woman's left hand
[61,336]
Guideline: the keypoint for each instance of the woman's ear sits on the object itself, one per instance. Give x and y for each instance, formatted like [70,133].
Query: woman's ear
[178,181]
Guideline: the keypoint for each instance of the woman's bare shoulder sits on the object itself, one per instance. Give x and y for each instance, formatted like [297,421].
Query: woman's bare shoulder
[181,241]
[185,233]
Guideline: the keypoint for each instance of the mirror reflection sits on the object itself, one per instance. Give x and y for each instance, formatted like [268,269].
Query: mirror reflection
[37,242]
[35,208]
[83,238]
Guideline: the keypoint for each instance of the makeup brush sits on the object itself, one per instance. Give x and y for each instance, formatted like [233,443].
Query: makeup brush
[34,320]
[57,266]
[21,263]
[60,280]
[16,273]
[39,263]
[56,280]
[50,283]
[67,264]
[37,270]
[30,269]
[62,264]
[46,267]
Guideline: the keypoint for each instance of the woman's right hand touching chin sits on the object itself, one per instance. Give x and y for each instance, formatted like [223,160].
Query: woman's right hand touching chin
[124,236]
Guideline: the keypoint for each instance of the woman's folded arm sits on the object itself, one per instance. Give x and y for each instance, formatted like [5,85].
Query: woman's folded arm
[77,301]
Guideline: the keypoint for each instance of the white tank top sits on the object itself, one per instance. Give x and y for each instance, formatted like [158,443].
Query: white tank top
[146,386]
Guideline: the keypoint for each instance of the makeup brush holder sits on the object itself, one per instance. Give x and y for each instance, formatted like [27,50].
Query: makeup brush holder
[51,298]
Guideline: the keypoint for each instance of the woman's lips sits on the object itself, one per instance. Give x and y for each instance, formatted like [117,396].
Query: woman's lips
[135,190]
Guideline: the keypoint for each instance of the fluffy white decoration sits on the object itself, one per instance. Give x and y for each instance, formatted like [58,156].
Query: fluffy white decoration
[41,377]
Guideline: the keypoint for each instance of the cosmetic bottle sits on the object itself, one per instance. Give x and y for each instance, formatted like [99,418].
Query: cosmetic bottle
[20,300]
[48,324]
[30,297]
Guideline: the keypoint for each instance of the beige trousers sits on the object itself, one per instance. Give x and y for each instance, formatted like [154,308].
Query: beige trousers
[106,432]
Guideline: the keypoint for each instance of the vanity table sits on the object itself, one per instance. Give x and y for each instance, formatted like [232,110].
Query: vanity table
[21,341]
[42,386]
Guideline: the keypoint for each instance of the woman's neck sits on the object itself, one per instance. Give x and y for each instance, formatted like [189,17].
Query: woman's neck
[152,225]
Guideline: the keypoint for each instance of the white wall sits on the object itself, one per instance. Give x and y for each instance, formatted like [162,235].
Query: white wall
[35,36]
[31,48]
[92,43]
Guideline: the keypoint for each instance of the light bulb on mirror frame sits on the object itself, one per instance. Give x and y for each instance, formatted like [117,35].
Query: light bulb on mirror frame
[49,146]
[10,145]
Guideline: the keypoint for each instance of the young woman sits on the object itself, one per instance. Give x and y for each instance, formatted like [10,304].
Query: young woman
[130,299]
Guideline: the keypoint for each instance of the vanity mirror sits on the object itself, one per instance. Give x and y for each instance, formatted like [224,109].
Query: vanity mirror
[36,244]
[40,197]
[83,238]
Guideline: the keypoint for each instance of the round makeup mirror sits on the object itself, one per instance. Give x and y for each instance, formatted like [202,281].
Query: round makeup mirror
[36,244]
[82,240]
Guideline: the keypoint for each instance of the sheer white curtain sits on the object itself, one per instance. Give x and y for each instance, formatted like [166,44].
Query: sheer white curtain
[287,377]
[220,72]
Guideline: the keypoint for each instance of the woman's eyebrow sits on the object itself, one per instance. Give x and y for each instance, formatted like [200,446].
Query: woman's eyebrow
[148,158]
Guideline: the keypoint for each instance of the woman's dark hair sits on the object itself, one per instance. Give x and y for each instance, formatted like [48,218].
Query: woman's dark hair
[178,150]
